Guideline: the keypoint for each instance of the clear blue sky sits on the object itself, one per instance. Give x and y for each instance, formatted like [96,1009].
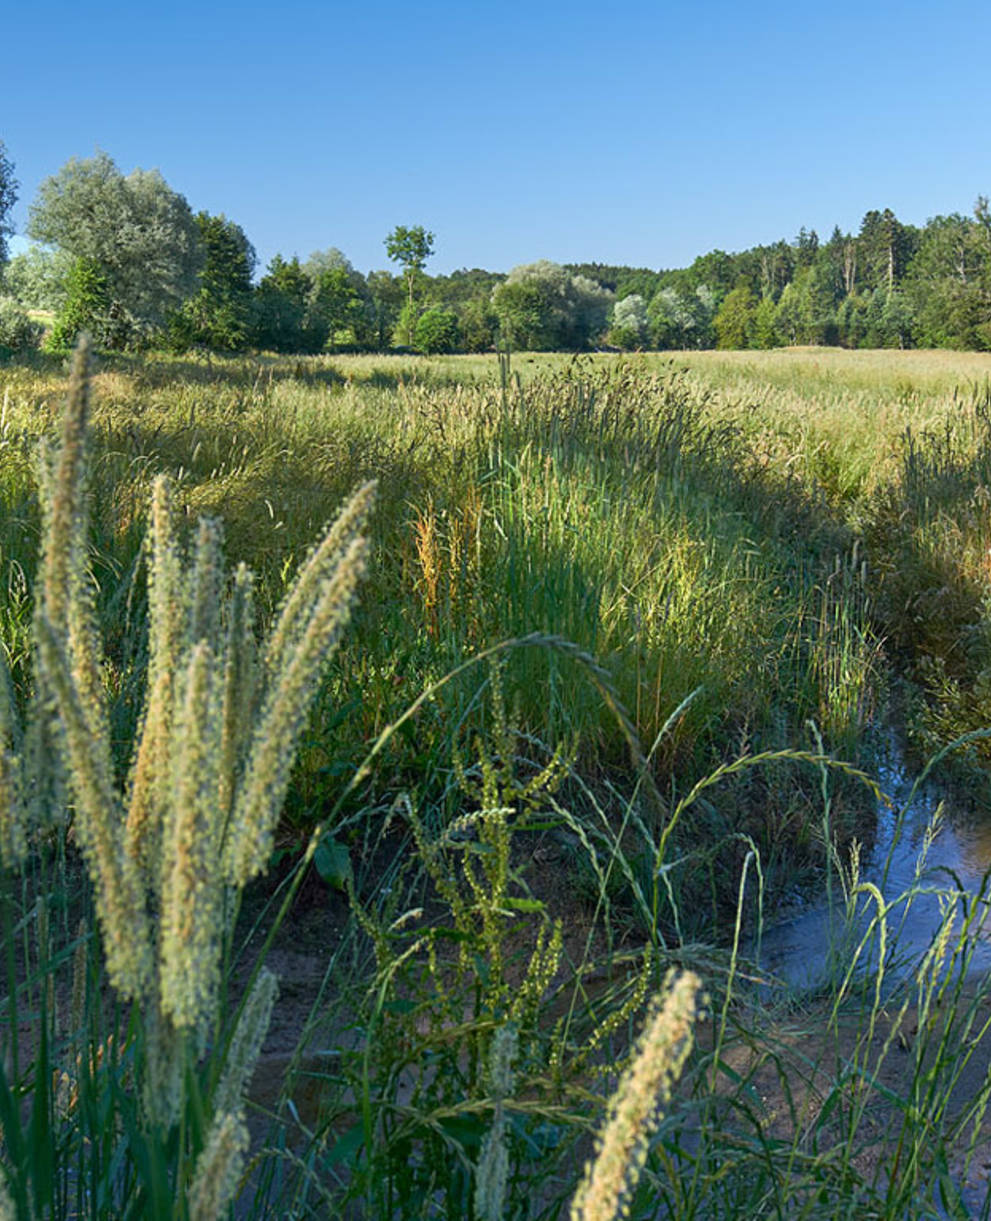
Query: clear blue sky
[631,132]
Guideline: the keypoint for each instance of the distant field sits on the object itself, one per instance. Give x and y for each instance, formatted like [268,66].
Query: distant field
[839,415]
[808,372]
[811,372]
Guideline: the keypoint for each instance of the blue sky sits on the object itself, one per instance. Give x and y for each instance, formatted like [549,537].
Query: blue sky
[639,133]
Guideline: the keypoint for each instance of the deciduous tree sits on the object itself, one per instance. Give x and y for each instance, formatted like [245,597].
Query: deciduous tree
[335,306]
[281,305]
[411,247]
[436,331]
[137,232]
[735,320]
[479,324]
[8,197]
[386,294]
[629,322]
[541,306]
[37,278]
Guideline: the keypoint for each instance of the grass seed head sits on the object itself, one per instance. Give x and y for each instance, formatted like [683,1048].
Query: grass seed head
[634,1109]
[191,891]
[260,797]
[120,900]
[247,1042]
[218,1168]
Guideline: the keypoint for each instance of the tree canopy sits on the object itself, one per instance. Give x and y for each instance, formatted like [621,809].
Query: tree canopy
[137,232]
[543,306]
[124,256]
[8,197]
[219,314]
[410,247]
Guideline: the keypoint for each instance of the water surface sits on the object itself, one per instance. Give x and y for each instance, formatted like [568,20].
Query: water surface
[799,949]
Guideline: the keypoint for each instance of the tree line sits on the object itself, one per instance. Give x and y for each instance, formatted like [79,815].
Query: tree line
[125,257]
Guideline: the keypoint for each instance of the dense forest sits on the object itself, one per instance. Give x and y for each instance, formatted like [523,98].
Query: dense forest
[125,257]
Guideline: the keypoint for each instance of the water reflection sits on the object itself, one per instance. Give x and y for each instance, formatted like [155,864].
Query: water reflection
[945,866]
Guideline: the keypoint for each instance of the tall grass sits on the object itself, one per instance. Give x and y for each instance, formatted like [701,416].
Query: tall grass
[167,856]
[616,507]
[465,1042]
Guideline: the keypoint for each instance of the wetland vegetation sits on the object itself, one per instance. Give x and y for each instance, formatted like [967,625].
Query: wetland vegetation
[612,694]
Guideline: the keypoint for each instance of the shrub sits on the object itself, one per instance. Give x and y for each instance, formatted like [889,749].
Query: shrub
[87,307]
[436,331]
[18,332]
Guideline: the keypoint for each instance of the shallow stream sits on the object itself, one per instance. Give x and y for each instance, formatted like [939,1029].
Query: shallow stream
[800,949]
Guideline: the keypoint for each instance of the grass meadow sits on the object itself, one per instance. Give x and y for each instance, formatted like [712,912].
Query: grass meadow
[495,706]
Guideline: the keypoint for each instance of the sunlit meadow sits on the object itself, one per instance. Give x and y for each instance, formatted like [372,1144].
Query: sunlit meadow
[589,676]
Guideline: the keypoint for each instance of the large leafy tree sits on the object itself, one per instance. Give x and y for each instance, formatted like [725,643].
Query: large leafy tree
[410,246]
[542,306]
[629,322]
[763,331]
[717,269]
[789,315]
[340,304]
[436,331]
[8,197]
[680,321]
[37,278]
[134,231]
[526,318]
[735,320]
[336,307]
[479,323]
[385,292]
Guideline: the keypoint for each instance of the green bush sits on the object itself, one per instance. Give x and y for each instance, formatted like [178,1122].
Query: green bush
[436,331]
[17,331]
[87,307]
